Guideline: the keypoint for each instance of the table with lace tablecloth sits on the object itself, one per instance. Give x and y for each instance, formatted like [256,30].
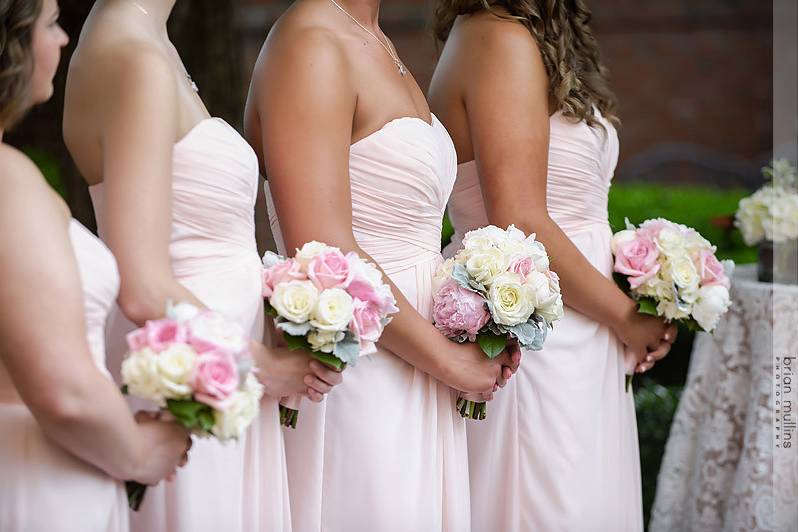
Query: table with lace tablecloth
[723,470]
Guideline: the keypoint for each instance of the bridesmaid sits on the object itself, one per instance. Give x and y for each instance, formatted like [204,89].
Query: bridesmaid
[68,437]
[523,92]
[355,159]
[174,192]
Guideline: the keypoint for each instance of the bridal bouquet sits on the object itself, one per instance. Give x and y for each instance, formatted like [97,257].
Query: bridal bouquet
[334,305]
[497,289]
[672,272]
[195,365]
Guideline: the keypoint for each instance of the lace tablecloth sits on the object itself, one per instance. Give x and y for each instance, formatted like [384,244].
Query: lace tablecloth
[724,468]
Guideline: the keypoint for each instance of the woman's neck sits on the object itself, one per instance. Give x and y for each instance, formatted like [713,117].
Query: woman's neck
[367,12]
[156,11]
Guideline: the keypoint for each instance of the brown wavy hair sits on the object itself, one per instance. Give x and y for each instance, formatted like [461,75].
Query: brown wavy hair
[561,28]
[16,60]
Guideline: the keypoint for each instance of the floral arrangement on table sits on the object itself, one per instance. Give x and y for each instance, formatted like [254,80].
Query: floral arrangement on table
[335,305]
[770,216]
[497,289]
[672,272]
[197,367]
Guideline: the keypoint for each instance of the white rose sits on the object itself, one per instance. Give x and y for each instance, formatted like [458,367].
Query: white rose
[511,301]
[324,341]
[695,243]
[442,274]
[215,329]
[295,300]
[484,237]
[243,409]
[683,272]
[175,366]
[181,312]
[670,241]
[485,264]
[140,375]
[311,250]
[333,310]
[713,301]
[537,251]
[553,311]
[627,235]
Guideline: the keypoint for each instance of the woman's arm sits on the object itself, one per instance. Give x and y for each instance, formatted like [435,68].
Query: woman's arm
[507,103]
[138,130]
[43,340]
[306,104]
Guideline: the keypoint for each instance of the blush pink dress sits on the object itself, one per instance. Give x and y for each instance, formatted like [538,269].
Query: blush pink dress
[42,486]
[386,450]
[234,487]
[558,451]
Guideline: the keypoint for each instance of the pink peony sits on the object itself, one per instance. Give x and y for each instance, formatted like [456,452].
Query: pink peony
[710,269]
[637,259]
[163,333]
[522,266]
[281,272]
[215,378]
[366,322]
[457,310]
[329,270]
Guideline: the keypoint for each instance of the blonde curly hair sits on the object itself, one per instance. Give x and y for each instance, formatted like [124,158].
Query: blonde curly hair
[561,28]
[18,18]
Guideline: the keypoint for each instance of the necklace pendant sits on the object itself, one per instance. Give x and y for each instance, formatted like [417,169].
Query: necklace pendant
[401,67]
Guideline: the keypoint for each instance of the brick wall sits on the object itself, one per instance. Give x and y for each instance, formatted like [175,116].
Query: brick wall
[694,79]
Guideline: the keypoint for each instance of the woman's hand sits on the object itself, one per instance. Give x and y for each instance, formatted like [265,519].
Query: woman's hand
[165,446]
[284,372]
[652,357]
[468,370]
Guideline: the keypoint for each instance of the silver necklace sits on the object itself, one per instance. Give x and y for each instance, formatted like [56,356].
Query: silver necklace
[191,82]
[392,53]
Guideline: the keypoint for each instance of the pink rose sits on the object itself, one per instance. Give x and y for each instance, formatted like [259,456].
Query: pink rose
[329,270]
[456,311]
[137,340]
[281,272]
[710,269]
[637,259]
[522,266]
[215,378]
[366,322]
[163,333]
[651,228]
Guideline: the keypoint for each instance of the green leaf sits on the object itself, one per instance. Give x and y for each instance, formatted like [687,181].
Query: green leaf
[296,342]
[329,360]
[294,329]
[492,344]
[691,325]
[647,305]
[622,281]
[206,420]
[187,411]
[124,389]
[347,349]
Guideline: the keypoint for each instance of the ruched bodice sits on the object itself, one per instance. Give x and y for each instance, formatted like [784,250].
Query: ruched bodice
[100,282]
[214,186]
[401,177]
[582,162]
